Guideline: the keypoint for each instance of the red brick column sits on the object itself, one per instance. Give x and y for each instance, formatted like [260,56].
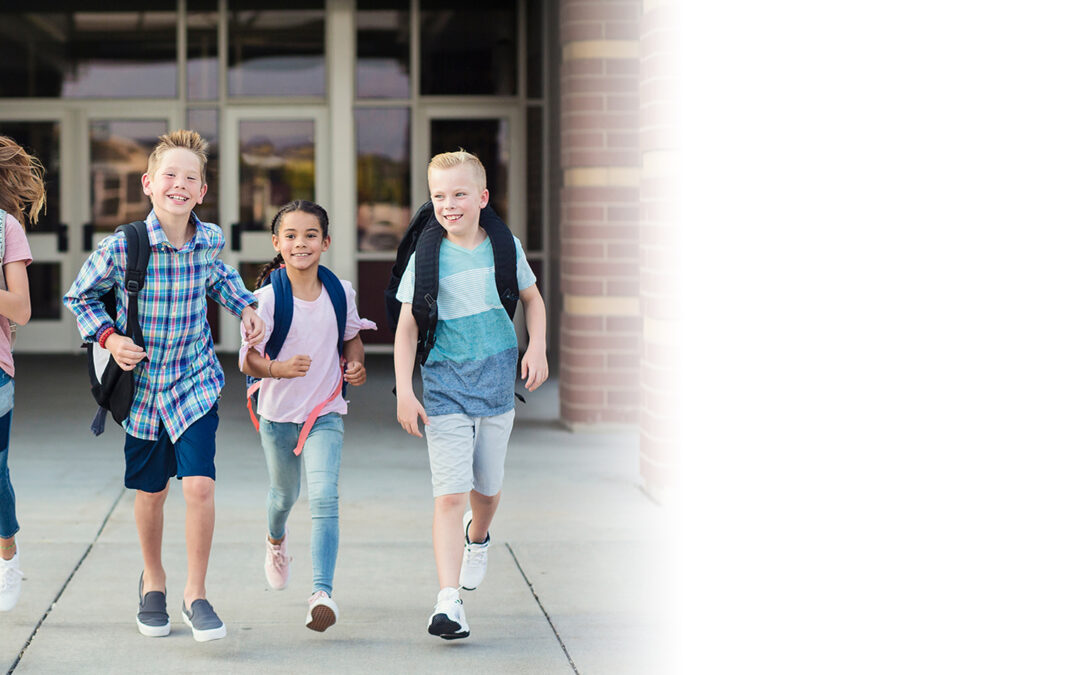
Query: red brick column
[659,250]
[600,335]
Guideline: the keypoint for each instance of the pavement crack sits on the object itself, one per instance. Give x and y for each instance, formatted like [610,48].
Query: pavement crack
[15,663]
[547,616]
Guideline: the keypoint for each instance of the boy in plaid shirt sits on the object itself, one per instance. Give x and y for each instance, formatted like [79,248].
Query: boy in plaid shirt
[172,425]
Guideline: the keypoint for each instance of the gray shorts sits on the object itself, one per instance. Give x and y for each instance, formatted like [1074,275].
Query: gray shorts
[468,453]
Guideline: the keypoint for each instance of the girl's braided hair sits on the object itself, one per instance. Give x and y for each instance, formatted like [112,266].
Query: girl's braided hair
[296,205]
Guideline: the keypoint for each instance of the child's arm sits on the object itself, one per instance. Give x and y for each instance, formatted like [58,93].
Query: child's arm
[534,365]
[15,301]
[225,287]
[408,407]
[355,373]
[257,365]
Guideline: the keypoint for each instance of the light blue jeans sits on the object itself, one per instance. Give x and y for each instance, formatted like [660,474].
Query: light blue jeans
[322,463]
[9,526]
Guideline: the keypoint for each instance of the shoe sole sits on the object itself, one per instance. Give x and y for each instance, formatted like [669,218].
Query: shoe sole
[205,635]
[321,618]
[153,631]
[441,626]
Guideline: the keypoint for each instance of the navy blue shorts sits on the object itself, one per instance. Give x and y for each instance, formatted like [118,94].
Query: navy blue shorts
[150,464]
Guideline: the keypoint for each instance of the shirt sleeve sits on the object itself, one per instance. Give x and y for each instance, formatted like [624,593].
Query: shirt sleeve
[225,287]
[525,276]
[16,246]
[98,276]
[265,296]
[408,280]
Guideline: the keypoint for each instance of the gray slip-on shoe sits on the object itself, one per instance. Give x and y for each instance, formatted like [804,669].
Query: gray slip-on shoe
[204,622]
[152,619]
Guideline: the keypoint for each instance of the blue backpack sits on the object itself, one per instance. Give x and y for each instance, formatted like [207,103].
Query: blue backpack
[283,314]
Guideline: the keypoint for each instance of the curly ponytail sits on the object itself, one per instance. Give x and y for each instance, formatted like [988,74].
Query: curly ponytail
[269,267]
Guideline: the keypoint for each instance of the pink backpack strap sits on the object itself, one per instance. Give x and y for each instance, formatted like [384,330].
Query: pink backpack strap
[310,421]
[251,392]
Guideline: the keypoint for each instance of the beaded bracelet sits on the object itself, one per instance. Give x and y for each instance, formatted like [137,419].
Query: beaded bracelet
[105,335]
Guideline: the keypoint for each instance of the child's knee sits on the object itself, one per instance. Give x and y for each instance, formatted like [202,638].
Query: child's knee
[451,502]
[198,489]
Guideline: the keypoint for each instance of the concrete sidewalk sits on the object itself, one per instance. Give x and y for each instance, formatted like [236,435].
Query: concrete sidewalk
[572,580]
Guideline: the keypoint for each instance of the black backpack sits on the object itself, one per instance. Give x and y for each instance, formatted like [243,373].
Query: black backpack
[113,387]
[424,236]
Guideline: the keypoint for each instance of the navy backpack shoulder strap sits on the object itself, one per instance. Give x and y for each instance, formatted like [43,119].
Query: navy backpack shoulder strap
[283,311]
[505,254]
[426,288]
[336,292]
[417,223]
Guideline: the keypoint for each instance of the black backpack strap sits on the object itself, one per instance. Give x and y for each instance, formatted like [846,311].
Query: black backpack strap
[336,292]
[426,288]
[283,312]
[423,216]
[138,258]
[505,254]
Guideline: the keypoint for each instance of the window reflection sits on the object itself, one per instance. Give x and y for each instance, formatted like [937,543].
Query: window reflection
[277,165]
[118,153]
[488,139]
[89,50]
[42,140]
[382,178]
[382,49]
[202,50]
[205,121]
[468,51]
[279,52]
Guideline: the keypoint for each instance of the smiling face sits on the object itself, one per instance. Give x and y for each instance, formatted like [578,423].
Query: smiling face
[457,199]
[176,185]
[300,240]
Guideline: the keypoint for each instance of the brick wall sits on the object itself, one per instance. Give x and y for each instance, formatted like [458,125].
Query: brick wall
[659,252]
[601,320]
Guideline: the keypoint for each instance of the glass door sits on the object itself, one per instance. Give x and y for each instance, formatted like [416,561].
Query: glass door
[269,157]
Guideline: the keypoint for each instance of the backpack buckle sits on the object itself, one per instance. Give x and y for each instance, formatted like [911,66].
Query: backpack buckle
[132,286]
[430,300]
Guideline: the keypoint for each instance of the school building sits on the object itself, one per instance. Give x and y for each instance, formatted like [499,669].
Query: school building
[568,103]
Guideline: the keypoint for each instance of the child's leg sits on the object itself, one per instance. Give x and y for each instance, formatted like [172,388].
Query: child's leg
[489,460]
[446,534]
[9,526]
[198,532]
[149,522]
[322,460]
[483,512]
[278,440]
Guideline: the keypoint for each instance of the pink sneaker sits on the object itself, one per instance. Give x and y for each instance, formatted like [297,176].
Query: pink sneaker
[322,611]
[277,563]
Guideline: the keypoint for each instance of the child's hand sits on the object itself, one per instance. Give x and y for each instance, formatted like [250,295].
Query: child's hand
[124,351]
[297,366]
[407,410]
[534,366]
[355,373]
[253,326]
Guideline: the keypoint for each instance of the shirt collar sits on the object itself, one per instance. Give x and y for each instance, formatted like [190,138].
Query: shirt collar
[157,235]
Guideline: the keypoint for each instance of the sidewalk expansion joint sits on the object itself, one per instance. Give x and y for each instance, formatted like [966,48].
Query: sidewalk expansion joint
[67,581]
[541,606]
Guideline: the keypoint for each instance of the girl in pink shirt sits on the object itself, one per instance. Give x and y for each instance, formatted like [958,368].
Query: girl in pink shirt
[307,373]
[22,197]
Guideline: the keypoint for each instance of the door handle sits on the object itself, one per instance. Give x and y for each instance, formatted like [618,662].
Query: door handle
[87,237]
[234,234]
[62,237]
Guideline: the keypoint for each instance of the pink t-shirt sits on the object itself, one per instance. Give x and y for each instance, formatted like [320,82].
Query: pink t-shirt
[313,332]
[16,248]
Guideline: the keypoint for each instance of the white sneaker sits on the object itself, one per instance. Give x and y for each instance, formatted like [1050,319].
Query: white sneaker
[10,583]
[448,619]
[474,559]
[322,611]
[276,564]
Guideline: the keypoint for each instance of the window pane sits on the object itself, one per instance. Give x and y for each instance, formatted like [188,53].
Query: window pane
[382,49]
[202,50]
[534,27]
[118,151]
[534,180]
[45,291]
[468,51]
[205,121]
[371,276]
[42,140]
[277,165]
[276,52]
[488,139]
[382,178]
[116,48]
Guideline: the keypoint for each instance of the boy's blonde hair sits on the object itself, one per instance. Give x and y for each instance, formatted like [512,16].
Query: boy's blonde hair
[22,182]
[181,138]
[449,160]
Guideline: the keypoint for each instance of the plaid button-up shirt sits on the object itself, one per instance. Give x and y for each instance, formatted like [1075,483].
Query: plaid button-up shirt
[181,378]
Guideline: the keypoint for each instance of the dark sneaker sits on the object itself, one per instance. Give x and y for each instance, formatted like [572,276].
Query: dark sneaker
[152,619]
[204,622]
[448,619]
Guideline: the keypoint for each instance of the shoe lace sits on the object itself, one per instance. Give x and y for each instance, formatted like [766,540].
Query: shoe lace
[278,557]
[9,577]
